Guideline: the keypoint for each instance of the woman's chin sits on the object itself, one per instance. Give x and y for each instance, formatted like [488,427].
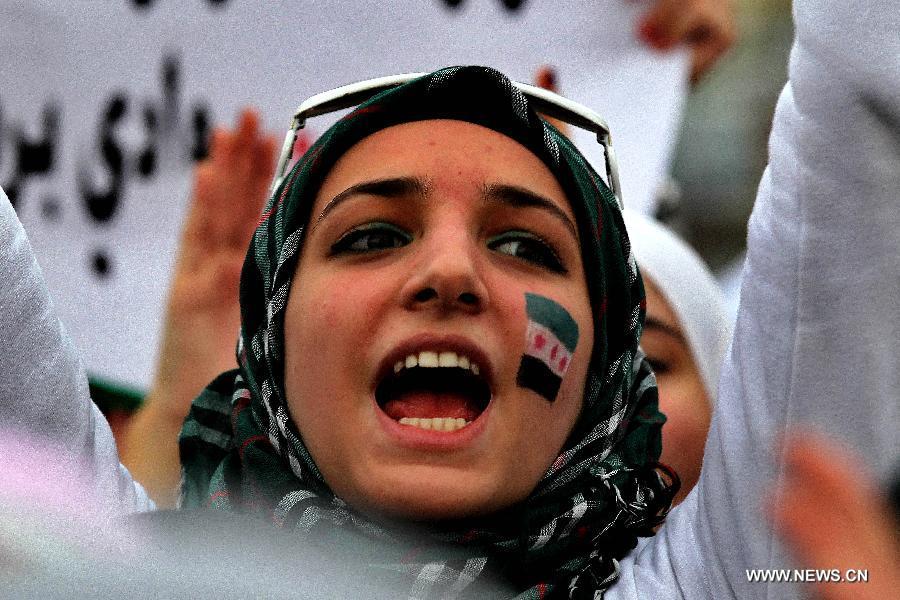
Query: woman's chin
[429,493]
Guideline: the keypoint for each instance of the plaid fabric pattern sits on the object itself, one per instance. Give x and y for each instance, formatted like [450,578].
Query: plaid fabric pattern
[241,451]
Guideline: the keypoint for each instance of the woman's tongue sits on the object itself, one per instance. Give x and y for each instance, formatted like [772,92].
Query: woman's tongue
[424,404]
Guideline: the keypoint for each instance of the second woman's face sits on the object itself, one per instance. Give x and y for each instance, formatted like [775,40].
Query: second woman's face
[682,395]
[406,326]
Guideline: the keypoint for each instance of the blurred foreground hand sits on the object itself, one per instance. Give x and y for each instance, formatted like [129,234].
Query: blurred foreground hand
[833,516]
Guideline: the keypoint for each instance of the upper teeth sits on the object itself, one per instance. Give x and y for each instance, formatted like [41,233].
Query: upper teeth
[435,423]
[428,359]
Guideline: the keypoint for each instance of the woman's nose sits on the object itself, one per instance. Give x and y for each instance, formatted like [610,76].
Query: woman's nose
[448,278]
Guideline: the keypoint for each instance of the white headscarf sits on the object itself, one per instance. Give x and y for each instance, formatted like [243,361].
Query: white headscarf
[688,286]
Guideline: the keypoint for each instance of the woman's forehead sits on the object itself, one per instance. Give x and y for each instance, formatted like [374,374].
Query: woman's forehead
[443,153]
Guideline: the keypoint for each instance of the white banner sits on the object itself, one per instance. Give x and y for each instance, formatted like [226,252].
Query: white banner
[104,106]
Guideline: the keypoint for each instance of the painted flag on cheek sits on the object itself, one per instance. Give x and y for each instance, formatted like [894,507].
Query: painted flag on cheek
[551,337]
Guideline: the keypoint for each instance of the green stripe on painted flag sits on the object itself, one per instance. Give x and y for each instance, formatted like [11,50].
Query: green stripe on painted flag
[554,317]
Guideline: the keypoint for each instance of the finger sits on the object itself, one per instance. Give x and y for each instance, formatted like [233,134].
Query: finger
[655,28]
[197,227]
[687,28]
[264,158]
[708,44]
[251,192]
[248,126]
[264,161]
[703,57]
[216,217]
[246,136]
[235,174]
[216,141]
[221,152]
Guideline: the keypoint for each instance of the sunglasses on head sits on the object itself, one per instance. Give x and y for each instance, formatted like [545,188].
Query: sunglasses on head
[544,101]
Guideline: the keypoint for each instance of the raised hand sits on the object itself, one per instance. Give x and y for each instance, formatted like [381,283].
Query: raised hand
[202,318]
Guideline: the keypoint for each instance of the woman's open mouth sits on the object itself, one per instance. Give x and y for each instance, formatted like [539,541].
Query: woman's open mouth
[438,390]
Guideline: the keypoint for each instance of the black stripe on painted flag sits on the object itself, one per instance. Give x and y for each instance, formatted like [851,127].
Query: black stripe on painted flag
[535,375]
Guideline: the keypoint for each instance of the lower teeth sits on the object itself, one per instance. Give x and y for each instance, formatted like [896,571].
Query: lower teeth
[436,423]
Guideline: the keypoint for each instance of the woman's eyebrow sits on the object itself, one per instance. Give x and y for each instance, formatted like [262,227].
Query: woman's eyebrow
[519,197]
[392,187]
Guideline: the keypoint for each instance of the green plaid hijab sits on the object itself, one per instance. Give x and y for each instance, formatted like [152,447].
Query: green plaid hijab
[241,451]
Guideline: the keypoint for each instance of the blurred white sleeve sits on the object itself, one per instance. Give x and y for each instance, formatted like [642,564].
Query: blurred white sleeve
[43,387]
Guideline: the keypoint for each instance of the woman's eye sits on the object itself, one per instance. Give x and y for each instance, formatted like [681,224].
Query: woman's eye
[528,247]
[659,367]
[371,237]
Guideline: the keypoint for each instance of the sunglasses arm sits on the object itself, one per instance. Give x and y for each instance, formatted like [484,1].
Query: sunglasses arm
[544,101]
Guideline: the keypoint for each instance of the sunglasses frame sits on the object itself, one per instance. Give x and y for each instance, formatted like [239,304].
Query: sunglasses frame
[544,101]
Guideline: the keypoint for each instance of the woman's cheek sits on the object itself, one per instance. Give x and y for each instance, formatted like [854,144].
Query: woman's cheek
[339,300]
[331,317]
